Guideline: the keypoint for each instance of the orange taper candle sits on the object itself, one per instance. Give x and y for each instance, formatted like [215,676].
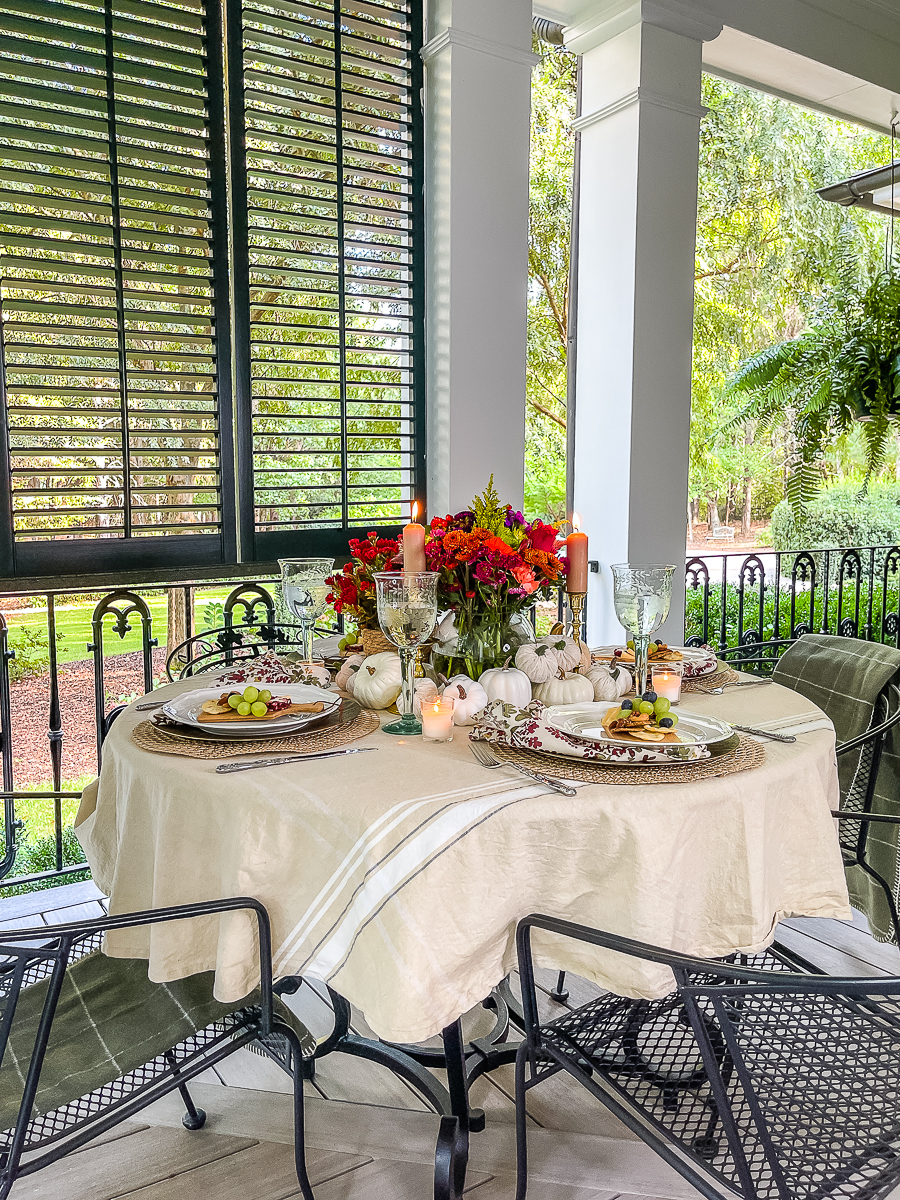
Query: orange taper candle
[413,544]
[577,554]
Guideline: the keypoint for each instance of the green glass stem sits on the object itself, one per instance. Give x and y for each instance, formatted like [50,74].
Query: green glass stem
[407,724]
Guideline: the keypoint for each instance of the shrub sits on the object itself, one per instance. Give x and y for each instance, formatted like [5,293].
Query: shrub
[40,855]
[841,517]
[32,653]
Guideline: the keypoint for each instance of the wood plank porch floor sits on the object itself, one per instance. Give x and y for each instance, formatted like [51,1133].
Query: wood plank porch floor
[370,1137]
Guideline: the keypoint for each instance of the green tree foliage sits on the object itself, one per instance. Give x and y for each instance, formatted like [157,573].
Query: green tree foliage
[767,250]
[550,217]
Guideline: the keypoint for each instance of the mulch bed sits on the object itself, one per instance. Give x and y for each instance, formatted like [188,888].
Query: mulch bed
[122,676]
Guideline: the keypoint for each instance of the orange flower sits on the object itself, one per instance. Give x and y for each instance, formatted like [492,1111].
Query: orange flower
[464,546]
[548,564]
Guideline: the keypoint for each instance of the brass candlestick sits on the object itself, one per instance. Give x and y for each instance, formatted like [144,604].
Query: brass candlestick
[576,603]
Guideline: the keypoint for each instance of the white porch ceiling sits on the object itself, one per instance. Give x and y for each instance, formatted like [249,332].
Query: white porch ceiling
[750,60]
[863,33]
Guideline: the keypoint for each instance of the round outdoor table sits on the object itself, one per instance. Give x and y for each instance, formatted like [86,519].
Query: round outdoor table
[398,877]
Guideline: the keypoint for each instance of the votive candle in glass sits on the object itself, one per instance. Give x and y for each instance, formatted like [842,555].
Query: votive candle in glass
[437,719]
[666,680]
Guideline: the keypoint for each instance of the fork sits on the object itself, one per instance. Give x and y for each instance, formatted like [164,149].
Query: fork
[489,760]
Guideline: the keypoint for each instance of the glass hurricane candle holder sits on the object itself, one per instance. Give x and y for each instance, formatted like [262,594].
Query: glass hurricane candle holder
[641,595]
[665,679]
[407,614]
[437,719]
[305,594]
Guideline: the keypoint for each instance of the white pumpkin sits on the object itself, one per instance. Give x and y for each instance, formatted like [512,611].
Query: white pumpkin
[609,682]
[565,689]
[538,661]
[349,667]
[567,650]
[378,680]
[506,683]
[426,689]
[468,696]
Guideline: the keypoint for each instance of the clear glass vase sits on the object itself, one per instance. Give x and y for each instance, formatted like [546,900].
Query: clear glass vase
[486,644]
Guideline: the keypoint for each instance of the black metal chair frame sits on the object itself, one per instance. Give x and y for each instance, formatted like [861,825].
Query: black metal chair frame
[37,954]
[725,986]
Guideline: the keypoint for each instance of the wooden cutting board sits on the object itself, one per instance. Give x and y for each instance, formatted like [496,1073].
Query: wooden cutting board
[225,718]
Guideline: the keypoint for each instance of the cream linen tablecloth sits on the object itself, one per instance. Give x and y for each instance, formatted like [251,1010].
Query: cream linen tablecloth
[399,876]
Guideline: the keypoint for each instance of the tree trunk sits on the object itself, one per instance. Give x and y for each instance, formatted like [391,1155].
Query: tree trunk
[712,510]
[177,629]
[696,504]
[746,515]
[690,521]
[729,503]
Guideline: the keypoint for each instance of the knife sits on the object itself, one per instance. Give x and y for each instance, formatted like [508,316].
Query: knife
[776,737]
[226,768]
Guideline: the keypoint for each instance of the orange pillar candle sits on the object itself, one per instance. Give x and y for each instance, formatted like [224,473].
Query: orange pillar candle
[577,554]
[413,545]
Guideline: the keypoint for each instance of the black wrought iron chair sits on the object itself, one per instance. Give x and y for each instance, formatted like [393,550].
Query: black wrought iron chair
[86,1041]
[232,645]
[754,1078]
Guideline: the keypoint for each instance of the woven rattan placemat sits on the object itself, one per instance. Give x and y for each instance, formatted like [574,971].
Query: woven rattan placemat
[744,757]
[706,683]
[159,741]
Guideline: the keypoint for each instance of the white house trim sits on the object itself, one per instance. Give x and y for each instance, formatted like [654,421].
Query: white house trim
[458,37]
[638,94]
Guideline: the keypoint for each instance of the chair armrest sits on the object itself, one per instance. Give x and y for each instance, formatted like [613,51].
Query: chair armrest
[682,964]
[75,930]
[871,734]
[841,815]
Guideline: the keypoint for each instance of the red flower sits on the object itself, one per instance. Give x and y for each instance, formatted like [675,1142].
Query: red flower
[542,537]
[469,595]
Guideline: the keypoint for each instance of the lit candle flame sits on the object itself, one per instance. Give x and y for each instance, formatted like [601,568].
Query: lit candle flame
[437,706]
[414,510]
[576,522]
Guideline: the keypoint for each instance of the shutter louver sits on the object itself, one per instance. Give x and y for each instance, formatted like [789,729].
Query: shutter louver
[106,274]
[328,112]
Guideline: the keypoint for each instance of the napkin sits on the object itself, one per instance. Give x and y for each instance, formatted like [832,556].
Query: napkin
[527,729]
[269,668]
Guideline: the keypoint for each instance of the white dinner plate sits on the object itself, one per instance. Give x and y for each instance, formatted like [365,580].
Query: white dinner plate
[185,710]
[697,660]
[583,721]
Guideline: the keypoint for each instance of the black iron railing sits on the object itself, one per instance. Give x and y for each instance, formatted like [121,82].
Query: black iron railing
[742,599]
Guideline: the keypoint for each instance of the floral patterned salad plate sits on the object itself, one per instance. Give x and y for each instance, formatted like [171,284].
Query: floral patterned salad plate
[584,721]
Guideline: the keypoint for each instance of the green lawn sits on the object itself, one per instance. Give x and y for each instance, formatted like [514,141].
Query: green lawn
[73,621]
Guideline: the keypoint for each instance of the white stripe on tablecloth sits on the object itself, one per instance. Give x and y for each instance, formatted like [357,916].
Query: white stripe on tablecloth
[376,833]
[436,837]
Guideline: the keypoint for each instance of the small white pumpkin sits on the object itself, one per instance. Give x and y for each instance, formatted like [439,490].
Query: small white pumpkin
[378,680]
[506,683]
[567,650]
[565,689]
[468,696]
[537,661]
[349,667]
[426,689]
[609,682]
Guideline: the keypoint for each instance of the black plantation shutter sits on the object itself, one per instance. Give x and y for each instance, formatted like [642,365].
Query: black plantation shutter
[331,111]
[109,331]
[131,308]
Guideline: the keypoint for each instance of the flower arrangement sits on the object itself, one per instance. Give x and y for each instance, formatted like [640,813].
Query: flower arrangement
[353,588]
[492,564]
[491,560]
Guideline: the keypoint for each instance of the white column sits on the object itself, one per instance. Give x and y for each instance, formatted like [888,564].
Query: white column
[478,65]
[639,123]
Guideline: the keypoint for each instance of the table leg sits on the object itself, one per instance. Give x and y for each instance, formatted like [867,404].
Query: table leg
[452,1151]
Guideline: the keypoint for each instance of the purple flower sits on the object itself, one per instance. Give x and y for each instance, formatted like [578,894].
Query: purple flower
[513,519]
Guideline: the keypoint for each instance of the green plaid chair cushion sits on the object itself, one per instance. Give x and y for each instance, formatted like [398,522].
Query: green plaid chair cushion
[845,677]
[110,1020]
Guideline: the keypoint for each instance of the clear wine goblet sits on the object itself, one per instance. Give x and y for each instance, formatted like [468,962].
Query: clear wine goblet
[641,595]
[407,613]
[305,594]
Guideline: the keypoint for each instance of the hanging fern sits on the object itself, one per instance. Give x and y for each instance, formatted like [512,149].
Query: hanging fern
[844,368]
